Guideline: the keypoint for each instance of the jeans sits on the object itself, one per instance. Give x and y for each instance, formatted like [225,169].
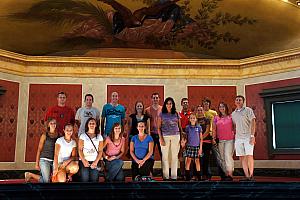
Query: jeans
[87,174]
[46,167]
[170,149]
[114,170]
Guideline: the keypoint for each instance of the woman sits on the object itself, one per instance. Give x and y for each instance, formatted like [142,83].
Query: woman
[169,127]
[139,115]
[64,156]
[45,154]
[90,147]
[207,146]
[114,148]
[141,151]
[223,131]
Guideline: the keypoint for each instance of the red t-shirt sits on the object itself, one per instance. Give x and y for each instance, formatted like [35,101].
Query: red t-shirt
[184,118]
[63,115]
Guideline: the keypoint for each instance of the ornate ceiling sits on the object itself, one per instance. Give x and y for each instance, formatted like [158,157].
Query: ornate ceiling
[230,29]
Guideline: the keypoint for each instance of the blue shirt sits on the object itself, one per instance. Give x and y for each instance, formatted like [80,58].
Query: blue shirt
[113,114]
[141,148]
[193,135]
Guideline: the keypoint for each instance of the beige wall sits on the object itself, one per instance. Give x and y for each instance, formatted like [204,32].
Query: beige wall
[175,77]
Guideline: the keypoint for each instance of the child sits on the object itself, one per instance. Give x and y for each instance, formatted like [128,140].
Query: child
[45,154]
[194,146]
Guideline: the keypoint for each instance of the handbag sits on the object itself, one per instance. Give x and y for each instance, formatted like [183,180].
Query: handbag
[100,165]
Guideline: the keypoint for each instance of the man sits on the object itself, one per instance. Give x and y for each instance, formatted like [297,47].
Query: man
[184,118]
[184,113]
[153,112]
[84,113]
[112,113]
[244,120]
[62,113]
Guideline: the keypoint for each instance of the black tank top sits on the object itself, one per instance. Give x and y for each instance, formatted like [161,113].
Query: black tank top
[48,149]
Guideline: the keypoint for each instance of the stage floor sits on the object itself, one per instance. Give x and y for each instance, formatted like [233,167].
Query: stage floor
[159,179]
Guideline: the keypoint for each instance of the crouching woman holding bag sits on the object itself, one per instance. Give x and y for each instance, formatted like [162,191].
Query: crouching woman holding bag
[90,148]
[64,165]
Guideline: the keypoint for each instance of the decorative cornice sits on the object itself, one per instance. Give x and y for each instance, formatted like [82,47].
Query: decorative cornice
[23,65]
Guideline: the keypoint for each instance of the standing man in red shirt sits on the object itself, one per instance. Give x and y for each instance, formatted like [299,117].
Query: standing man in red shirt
[184,118]
[154,111]
[61,113]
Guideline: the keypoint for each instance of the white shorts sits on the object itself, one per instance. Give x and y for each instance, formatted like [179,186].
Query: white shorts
[243,147]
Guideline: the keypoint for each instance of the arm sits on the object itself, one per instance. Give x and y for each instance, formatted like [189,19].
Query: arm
[80,152]
[161,138]
[99,155]
[38,153]
[102,125]
[129,126]
[201,143]
[180,127]
[214,133]
[148,126]
[253,129]
[55,162]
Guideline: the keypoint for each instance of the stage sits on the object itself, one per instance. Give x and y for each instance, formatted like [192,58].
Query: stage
[262,188]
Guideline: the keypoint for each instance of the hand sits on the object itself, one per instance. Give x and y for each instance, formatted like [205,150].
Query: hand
[141,163]
[85,163]
[199,152]
[182,143]
[94,165]
[252,141]
[55,171]
[162,141]
[37,166]
[111,158]
[214,141]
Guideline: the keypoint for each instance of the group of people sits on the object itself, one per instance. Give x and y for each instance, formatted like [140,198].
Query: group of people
[89,142]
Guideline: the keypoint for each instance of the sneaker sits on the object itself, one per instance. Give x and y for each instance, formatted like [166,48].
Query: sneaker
[27,176]
[251,178]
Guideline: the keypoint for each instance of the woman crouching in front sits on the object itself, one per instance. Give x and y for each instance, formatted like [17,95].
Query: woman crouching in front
[141,151]
[64,156]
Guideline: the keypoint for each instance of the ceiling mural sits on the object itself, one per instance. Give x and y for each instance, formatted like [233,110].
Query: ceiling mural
[148,28]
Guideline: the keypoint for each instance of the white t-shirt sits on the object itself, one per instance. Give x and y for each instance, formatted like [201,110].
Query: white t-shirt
[89,151]
[83,114]
[65,149]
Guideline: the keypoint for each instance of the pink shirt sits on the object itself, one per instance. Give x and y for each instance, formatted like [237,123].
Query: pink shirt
[112,148]
[224,127]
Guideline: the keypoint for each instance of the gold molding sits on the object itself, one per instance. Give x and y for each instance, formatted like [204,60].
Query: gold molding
[44,66]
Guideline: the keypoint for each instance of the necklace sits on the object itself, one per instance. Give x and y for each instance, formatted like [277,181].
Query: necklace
[116,145]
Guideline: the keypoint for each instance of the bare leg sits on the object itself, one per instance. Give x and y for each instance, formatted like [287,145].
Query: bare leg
[244,162]
[29,176]
[197,162]
[250,165]
[188,163]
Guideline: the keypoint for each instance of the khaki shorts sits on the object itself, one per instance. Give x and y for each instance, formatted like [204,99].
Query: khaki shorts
[243,147]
